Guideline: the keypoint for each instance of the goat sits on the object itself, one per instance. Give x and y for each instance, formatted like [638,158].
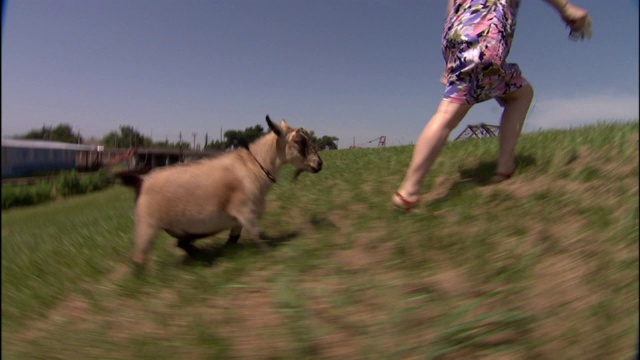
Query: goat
[199,199]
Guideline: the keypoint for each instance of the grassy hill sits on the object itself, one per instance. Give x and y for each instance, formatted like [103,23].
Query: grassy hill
[543,266]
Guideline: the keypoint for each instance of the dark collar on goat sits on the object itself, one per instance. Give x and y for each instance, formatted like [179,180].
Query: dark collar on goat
[266,172]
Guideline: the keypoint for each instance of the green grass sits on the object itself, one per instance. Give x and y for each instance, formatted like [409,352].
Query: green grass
[544,266]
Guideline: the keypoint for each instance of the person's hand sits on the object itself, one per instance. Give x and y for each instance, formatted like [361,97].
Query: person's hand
[574,16]
[578,20]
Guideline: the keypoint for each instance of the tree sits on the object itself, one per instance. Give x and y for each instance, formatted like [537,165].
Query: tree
[163,144]
[216,145]
[237,138]
[43,134]
[242,138]
[127,136]
[62,133]
[326,142]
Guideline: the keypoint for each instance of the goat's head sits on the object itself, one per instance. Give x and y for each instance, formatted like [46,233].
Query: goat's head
[297,146]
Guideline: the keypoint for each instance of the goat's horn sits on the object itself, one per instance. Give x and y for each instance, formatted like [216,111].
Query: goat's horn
[274,127]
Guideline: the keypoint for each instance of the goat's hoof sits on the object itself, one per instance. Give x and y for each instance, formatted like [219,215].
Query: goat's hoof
[193,253]
[198,258]
[231,242]
[261,245]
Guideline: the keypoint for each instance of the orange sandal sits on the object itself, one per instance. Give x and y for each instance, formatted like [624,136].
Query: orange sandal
[404,204]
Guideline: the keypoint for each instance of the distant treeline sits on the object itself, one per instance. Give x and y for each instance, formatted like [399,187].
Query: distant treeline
[127,136]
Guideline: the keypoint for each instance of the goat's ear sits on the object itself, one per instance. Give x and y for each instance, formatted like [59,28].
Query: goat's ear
[285,126]
[274,127]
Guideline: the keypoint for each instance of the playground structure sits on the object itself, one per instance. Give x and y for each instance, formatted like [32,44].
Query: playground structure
[121,157]
[382,142]
[479,131]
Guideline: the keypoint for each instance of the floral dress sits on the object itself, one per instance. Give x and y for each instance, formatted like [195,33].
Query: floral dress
[475,44]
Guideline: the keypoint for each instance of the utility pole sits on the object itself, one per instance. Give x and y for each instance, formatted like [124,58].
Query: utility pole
[180,148]
[194,140]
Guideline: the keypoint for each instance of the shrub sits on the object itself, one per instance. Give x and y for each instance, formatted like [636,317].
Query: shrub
[102,179]
[69,183]
[97,181]
[22,195]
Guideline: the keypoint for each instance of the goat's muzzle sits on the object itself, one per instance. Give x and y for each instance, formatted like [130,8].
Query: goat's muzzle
[312,169]
[317,168]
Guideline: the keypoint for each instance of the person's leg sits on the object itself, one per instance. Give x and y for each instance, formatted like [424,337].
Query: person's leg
[428,147]
[516,105]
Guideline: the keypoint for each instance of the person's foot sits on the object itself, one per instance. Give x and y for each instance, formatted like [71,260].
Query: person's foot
[402,203]
[499,177]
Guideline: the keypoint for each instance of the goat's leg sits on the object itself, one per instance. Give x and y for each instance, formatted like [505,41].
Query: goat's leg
[145,233]
[234,235]
[248,220]
[255,233]
[186,244]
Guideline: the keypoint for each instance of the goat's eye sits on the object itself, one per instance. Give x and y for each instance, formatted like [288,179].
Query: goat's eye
[302,145]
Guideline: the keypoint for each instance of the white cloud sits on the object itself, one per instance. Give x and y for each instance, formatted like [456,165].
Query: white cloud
[576,112]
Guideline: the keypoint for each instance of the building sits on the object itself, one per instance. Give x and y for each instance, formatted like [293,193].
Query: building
[23,158]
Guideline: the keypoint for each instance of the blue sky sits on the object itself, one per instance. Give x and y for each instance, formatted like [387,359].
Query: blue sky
[347,68]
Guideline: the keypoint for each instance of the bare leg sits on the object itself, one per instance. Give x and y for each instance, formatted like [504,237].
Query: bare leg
[429,144]
[516,105]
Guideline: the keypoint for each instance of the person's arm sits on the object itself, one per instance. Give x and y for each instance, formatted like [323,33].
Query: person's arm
[558,4]
[449,7]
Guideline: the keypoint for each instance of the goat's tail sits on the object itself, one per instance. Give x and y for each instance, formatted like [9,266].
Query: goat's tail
[133,179]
